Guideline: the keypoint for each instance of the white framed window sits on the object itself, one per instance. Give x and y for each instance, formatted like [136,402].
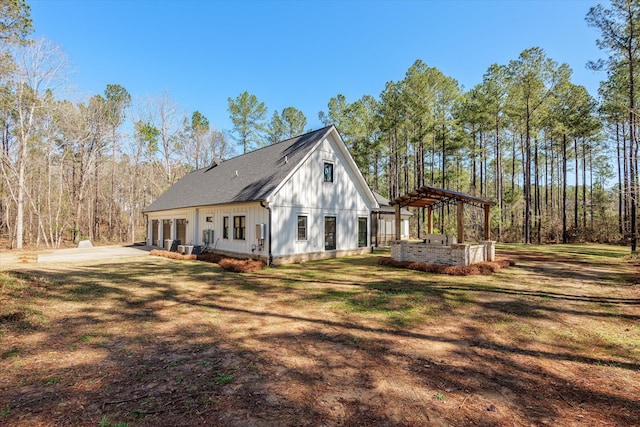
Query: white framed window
[225,227]
[302,227]
[328,172]
[239,227]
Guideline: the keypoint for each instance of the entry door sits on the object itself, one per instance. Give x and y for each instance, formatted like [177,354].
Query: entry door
[181,231]
[154,232]
[329,233]
[166,229]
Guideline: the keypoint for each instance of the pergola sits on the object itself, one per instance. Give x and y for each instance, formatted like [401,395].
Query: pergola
[432,197]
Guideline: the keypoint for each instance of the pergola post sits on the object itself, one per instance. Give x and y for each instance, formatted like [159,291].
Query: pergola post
[398,219]
[460,214]
[429,220]
[487,222]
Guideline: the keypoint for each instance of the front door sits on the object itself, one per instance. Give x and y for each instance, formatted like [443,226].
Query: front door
[329,233]
[154,232]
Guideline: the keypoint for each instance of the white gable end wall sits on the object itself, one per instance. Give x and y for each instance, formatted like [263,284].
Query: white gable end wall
[306,193]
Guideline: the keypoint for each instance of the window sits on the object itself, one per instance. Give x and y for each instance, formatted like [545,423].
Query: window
[302,228]
[329,233]
[362,232]
[209,219]
[225,227]
[328,172]
[239,227]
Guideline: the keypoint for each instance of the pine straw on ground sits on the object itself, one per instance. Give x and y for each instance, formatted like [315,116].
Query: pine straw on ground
[487,267]
[228,264]
[172,255]
[345,342]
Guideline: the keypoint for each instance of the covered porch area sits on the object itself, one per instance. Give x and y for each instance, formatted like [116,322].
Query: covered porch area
[440,248]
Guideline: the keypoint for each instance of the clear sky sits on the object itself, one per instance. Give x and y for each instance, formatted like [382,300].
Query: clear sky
[302,53]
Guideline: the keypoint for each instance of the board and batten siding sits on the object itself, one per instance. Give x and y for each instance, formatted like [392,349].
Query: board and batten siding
[197,222]
[253,213]
[306,194]
[187,214]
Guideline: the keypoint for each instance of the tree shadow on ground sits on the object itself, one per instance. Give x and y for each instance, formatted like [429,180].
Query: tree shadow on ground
[171,343]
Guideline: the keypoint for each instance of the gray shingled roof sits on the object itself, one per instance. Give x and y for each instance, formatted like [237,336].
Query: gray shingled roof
[386,207]
[259,172]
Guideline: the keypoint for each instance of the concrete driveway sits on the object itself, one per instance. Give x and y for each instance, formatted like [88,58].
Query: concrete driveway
[72,255]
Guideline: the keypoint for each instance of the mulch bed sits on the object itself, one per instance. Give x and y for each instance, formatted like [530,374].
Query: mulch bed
[172,255]
[228,264]
[487,267]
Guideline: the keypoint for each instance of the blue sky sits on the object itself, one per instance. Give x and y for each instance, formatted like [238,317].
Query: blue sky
[301,53]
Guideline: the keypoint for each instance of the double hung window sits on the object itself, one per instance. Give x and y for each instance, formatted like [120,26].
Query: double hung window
[239,227]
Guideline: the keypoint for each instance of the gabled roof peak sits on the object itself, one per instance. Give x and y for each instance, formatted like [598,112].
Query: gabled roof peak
[248,177]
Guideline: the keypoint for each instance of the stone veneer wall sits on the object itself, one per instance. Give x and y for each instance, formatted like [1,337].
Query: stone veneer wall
[457,254]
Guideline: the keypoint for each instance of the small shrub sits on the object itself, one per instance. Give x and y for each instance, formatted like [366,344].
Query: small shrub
[104,422]
[222,379]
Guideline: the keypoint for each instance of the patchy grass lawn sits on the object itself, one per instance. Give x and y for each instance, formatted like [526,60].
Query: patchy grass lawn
[553,340]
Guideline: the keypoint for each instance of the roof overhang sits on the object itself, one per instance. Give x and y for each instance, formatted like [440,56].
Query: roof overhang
[428,196]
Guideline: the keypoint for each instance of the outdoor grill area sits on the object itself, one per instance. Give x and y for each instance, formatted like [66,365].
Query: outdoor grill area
[440,248]
[453,254]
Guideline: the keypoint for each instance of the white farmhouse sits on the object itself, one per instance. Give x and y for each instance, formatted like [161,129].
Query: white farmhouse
[299,199]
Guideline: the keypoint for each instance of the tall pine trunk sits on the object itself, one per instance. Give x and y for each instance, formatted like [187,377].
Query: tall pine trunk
[575,201]
[564,189]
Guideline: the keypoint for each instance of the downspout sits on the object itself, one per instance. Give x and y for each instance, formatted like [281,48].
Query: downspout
[265,205]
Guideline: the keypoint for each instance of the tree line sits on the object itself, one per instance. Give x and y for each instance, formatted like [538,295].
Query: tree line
[526,136]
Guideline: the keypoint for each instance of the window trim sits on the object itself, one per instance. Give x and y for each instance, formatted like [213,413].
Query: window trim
[225,227]
[335,229]
[306,229]
[239,228]
[363,232]
[324,171]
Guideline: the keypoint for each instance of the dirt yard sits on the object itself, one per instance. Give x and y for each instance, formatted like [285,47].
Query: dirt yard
[553,340]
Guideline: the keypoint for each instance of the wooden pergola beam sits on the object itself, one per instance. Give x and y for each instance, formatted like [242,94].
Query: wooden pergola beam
[428,197]
[398,219]
[460,215]
[487,222]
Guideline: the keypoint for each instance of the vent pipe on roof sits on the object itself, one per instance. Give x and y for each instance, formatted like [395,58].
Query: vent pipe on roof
[236,173]
[286,159]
